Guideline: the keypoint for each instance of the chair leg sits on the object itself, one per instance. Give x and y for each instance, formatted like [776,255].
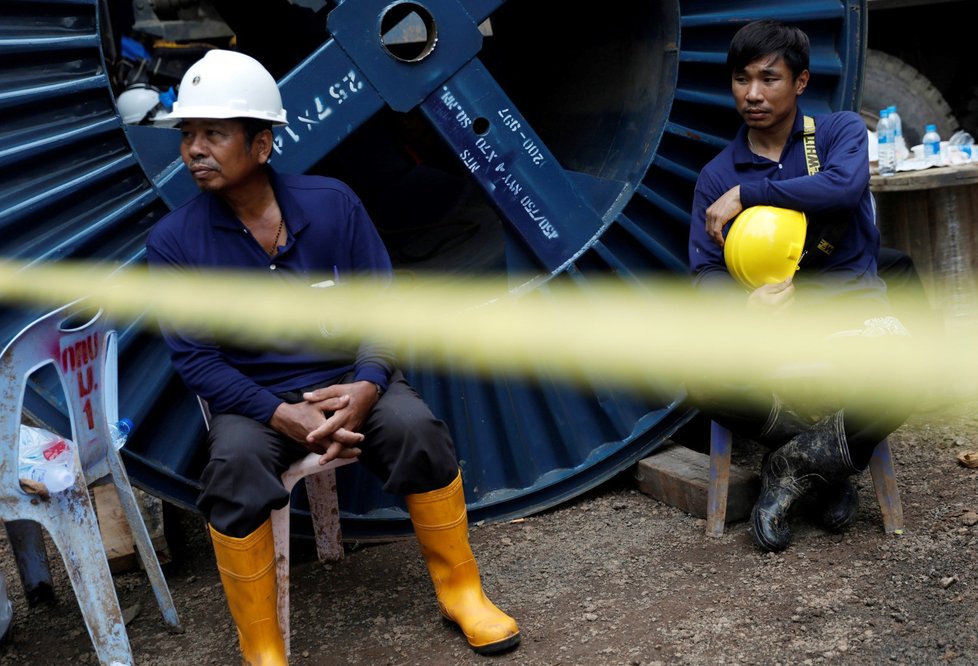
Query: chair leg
[323,509]
[721,446]
[75,533]
[27,543]
[887,492]
[325,513]
[147,553]
[280,534]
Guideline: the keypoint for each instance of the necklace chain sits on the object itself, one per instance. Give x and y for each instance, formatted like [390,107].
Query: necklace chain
[273,249]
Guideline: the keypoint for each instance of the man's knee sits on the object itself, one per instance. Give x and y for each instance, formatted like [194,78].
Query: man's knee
[897,269]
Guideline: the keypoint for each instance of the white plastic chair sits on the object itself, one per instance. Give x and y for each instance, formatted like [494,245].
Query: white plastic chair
[323,509]
[82,349]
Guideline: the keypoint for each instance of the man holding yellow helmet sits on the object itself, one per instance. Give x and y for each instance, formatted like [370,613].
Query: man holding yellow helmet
[784,216]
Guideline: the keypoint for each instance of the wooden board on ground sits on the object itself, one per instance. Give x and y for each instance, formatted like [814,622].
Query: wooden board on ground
[679,477]
[116,535]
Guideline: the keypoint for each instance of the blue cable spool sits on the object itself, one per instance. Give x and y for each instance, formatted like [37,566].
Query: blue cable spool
[602,121]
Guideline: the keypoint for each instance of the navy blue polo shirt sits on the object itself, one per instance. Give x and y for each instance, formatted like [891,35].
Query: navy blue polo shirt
[330,236]
[838,194]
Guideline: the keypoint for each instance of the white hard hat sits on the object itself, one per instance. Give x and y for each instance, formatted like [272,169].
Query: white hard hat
[136,102]
[226,84]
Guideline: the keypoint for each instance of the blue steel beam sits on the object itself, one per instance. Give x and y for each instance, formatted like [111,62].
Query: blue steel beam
[520,176]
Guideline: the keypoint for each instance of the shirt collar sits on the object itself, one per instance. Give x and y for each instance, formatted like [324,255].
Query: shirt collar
[221,216]
[742,152]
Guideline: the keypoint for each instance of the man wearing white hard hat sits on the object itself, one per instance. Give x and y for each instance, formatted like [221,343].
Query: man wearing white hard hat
[783,218]
[271,407]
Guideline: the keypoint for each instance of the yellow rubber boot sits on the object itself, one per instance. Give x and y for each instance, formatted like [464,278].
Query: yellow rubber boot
[247,567]
[442,527]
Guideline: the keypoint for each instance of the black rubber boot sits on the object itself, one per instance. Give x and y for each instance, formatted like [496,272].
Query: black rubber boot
[820,454]
[832,505]
[782,425]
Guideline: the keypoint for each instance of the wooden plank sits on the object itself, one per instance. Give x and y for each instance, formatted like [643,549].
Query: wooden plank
[679,477]
[926,179]
[116,535]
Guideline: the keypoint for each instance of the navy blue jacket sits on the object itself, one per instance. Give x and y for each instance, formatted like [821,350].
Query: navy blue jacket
[329,234]
[837,196]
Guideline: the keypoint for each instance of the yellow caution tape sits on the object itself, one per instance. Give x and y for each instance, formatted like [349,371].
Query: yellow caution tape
[651,335]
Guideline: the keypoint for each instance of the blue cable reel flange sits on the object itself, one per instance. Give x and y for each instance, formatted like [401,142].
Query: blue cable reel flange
[579,136]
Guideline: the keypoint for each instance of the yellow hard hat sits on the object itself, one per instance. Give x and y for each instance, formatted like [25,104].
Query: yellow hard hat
[764,245]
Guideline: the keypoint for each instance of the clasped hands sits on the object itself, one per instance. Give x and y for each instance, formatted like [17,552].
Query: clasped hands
[328,420]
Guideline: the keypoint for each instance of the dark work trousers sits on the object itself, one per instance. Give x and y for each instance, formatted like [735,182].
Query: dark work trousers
[865,427]
[405,446]
[867,420]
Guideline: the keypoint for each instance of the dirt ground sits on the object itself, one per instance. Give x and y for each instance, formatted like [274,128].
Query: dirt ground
[613,577]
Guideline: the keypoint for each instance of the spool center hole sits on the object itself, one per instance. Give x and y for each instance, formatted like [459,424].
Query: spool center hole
[408,32]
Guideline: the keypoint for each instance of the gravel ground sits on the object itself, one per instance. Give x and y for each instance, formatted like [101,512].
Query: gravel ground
[613,577]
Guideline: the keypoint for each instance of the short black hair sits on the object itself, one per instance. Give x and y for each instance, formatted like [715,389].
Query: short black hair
[768,37]
[252,128]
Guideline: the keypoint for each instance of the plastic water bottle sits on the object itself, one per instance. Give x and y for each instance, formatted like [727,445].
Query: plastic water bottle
[120,432]
[46,458]
[932,146]
[887,144]
[902,152]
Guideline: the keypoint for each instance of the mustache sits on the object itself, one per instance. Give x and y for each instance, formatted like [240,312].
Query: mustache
[200,161]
